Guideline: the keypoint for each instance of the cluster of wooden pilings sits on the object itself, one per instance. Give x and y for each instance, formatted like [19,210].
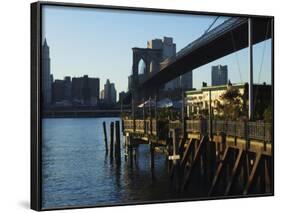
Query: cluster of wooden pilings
[219,166]
[114,142]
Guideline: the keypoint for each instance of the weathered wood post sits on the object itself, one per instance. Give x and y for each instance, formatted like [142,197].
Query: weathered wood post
[117,143]
[131,151]
[133,113]
[264,136]
[105,137]
[111,140]
[246,167]
[151,146]
[126,146]
[184,135]
[150,116]
[210,117]
[169,150]
[151,155]
[175,158]
[156,119]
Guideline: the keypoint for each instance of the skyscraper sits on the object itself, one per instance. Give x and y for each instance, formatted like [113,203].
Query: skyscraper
[85,90]
[46,75]
[168,50]
[186,80]
[109,93]
[219,75]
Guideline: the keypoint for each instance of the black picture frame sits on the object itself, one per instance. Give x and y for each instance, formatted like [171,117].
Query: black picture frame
[36,99]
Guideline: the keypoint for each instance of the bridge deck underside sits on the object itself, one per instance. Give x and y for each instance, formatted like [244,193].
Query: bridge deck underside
[221,45]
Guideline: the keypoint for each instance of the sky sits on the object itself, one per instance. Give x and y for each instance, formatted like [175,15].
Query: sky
[99,42]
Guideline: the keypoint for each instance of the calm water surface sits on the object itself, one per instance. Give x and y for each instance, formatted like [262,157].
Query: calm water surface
[76,170]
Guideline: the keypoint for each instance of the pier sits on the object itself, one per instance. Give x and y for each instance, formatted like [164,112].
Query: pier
[216,158]
[206,157]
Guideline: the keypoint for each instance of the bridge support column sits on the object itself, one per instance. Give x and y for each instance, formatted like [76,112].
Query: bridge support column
[250,90]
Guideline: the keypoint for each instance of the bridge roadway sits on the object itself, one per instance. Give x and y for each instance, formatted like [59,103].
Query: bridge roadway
[229,37]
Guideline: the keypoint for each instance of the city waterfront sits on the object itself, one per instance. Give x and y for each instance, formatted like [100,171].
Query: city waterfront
[158,126]
[77,171]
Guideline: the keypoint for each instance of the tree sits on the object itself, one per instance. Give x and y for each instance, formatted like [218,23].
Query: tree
[230,105]
[268,114]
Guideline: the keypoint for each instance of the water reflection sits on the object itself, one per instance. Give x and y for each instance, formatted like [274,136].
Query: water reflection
[78,171]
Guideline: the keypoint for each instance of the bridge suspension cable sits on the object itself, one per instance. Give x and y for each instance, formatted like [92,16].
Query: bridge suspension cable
[206,31]
[236,56]
[261,64]
[263,53]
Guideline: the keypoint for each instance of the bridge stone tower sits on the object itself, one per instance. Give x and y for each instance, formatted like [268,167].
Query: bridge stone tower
[157,50]
[151,58]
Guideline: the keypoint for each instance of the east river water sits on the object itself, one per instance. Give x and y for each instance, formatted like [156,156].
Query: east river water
[77,172]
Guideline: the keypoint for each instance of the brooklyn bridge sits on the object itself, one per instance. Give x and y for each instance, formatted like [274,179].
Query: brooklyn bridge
[206,155]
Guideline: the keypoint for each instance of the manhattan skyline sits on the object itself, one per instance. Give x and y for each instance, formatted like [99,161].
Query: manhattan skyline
[99,42]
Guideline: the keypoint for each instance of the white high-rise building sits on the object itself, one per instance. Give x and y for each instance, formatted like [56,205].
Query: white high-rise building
[46,75]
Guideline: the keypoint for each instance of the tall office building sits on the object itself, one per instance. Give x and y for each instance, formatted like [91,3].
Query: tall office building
[186,81]
[94,91]
[85,90]
[109,93]
[168,50]
[219,75]
[58,91]
[122,96]
[46,75]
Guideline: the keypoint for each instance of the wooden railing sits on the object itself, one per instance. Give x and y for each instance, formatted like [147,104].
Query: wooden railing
[141,126]
[249,130]
[128,125]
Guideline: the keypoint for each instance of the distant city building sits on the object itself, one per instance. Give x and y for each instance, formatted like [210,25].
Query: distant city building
[168,50]
[102,94]
[60,92]
[121,96]
[109,93]
[67,88]
[186,81]
[46,75]
[219,75]
[166,44]
[77,90]
[85,90]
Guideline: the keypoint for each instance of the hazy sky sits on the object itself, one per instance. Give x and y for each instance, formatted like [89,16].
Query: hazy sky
[99,42]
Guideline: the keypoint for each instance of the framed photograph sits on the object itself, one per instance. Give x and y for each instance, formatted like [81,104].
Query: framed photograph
[139,105]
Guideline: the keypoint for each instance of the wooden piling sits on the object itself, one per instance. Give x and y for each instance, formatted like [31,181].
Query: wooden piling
[111,140]
[152,160]
[117,143]
[105,136]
